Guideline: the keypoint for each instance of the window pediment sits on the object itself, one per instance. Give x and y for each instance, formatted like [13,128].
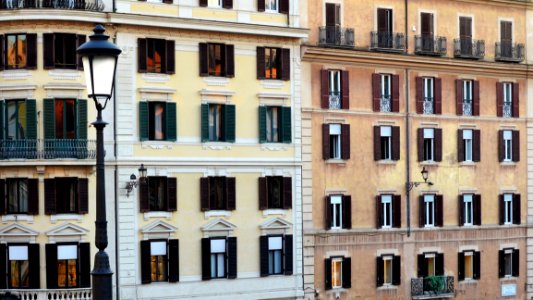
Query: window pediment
[158,230]
[17,233]
[275,226]
[67,232]
[218,227]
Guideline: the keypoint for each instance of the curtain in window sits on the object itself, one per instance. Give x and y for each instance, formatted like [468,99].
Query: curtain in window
[158,122]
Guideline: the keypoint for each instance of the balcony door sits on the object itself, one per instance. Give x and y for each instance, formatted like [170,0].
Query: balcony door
[385,28]
[426,29]
[506,38]
[465,35]
[333,23]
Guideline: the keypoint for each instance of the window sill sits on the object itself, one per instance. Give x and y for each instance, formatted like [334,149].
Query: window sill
[387,286]
[16,74]
[429,163]
[468,281]
[216,146]
[66,217]
[386,162]
[17,217]
[155,77]
[271,212]
[68,74]
[467,164]
[156,144]
[508,164]
[157,214]
[274,147]
[336,162]
[217,213]
[216,80]
[272,83]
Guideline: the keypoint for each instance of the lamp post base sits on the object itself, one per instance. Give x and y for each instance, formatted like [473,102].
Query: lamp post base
[102,277]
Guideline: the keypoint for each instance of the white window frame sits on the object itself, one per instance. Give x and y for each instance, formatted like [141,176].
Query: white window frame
[217,259]
[334,81]
[275,248]
[508,209]
[509,252]
[335,132]
[468,93]
[389,259]
[508,145]
[336,204]
[429,88]
[468,201]
[386,202]
[468,136]
[508,92]
[268,7]
[333,261]
[386,132]
[429,134]
[429,206]
[386,86]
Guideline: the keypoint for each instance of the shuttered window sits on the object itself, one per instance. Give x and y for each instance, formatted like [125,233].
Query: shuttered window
[508,263]
[388,270]
[21,264]
[386,143]
[157,121]
[66,195]
[159,260]
[388,211]
[275,124]
[217,60]
[336,141]
[338,272]
[59,50]
[156,56]
[19,196]
[219,258]
[430,210]
[430,264]
[510,209]
[217,193]
[469,209]
[276,254]
[429,142]
[275,192]
[19,51]
[468,145]
[469,265]
[338,212]
[428,95]
[467,97]
[157,193]
[509,145]
[335,89]
[385,93]
[507,99]
[68,265]
[218,123]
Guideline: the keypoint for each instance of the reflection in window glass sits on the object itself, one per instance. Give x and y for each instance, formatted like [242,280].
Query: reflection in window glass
[17,195]
[336,272]
[16,55]
[16,119]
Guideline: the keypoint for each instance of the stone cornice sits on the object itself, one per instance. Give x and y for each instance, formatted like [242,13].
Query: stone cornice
[506,3]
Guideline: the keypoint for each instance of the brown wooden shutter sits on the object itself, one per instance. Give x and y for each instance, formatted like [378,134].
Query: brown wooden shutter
[142,53]
[80,40]
[204,194]
[396,211]
[421,266]
[396,270]
[230,193]
[284,6]
[475,92]
[260,5]
[516,145]
[499,99]
[288,256]
[395,143]
[171,53]
[145,262]
[516,102]
[34,266]
[49,196]
[461,210]
[230,61]
[202,55]
[261,60]
[263,256]
[477,209]
[345,141]
[347,212]
[460,146]
[420,144]
[232,257]
[376,92]
[51,265]
[419,95]
[439,264]
[501,146]
[327,273]
[3,198]
[324,88]
[379,212]
[421,211]
[172,194]
[31,51]
[347,272]
[48,51]
[3,266]
[287,192]
[379,271]
[516,209]
[438,96]
[2,58]
[285,64]
[501,267]
[516,263]
[377,143]
[33,196]
[345,81]
[263,193]
[325,142]
[327,212]
[83,195]
[330,14]
[173,260]
[395,93]
[476,155]
[228,4]
[477,265]
[202,3]
[461,266]
[438,144]
[439,211]
[144,195]
[501,207]
[85,265]
[459,97]
[206,258]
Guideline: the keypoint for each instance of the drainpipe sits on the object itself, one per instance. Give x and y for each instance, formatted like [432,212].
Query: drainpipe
[115,147]
[408,153]
[406,6]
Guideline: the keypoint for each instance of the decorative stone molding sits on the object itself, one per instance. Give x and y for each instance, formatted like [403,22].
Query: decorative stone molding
[276,226]
[16,74]
[216,81]
[66,217]
[158,230]
[157,214]
[64,74]
[156,93]
[17,218]
[271,212]
[272,84]
[218,227]
[17,233]
[216,147]
[155,77]
[67,232]
[217,213]
[274,147]
[145,145]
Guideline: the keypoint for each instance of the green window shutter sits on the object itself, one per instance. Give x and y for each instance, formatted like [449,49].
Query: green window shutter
[143,120]
[2,124]
[31,119]
[229,123]
[205,122]
[49,118]
[286,128]
[81,106]
[262,124]
[171,121]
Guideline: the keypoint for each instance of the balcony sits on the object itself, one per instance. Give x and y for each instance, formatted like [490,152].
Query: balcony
[469,48]
[91,5]
[44,294]
[334,100]
[428,106]
[47,149]
[335,36]
[432,287]
[387,41]
[430,45]
[509,52]
[467,107]
[385,104]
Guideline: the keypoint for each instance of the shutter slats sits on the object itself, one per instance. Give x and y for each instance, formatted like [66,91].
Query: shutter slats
[516,209]
[80,39]
[379,271]
[501,207]
[501,264]
[477,265]
[287,192]
[263,255]
[516,145]
[143,121]
[395,93]
[438,144]
[516,263]
[230,193]
[477,209]
[327,273]
[142,53]
[83,195]
[516,102]
[376,92]
[501,146]
[81,107]
[31,120]
[202,55]
[461,266]
[261,5]
[439,264]
[85,265]
[286,127]
[262,124]
[145,262]
[144,204]
[347,273]
[261,59]
[173,260]
[379,212]
[476,155]
[377,143]
[204,193]
[48,51]
[229,123]
[51,265]
[396,270]
[420,144]
[3,198]
[461,206]
[284,7]
[34,266]
[230,61]
[206,259]
[33,196]
[438,96]
[49,196]
[204,116]
[3,266]
[347,212]
[345,141]
[422,268]
[396,211]
[325,142]
[2,57]
[324,88]
[439,211]
[171,125]
[419,95]
[263,193]
[171,53]
[232,257]
[327,212]
[475,91]
[460,146]
[172,194]
[459,97]
[285,64]
[288,242]
[345,89]
[395,143]
[31,51]
[2,123]
[421,212]
[49,118]
[499,99]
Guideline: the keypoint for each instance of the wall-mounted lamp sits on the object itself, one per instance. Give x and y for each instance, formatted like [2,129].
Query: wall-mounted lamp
[425,174]
[130,185]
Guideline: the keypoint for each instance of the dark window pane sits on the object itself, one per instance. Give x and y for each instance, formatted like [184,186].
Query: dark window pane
[17,195]
[217,193]
[155,55]
[273,123]
[272,62]
[274,191]
[67,195]
[215,59]
[158,266]
[158,193]
[65,110]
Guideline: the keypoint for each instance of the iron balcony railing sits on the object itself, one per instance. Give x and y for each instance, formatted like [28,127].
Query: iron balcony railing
[432,287]
[334,100]
[507,109]
[92,5]
[430,45]
[387,41]
[469,48]
[467,107]
[428,105]
[335,36]
[48,149]
[385,103]
[509,52]
[47,294]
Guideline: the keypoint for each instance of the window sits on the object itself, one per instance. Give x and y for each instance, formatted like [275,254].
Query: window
[509,262]
[465,36]
[385,92]
[509,146]
[384,22]
[64,195]
[430,210]
[507,99]
[335,89]
[68,265]
[60,50]
[19,195]
[273,63]
[216,60]
[21,264]
[338,272]
[510,209]
[467,97]
[217,193]
[429,144]
[159,261]
[157,193]
[275,124]
[276,254]
[469,265]
[219,258]
[218,123]
[388,270]
[157,121]
[467,139]
[386,143]
[429,206]
[506,38]
[275,192]
[271,5]
[338,212]
[430,264]
[469,209]
[16,119]
[274,6]
[336,141]
[468,145]
[428,95]
[426,24]
[215,3]
[156,56]
[388,211]
[19,51]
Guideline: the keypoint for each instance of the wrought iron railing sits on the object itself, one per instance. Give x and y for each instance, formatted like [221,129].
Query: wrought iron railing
[46,294]
[428,105]
[387,41]
[385,103]
[469,48]
[92,5]
[507,109]
[430,45]
[509,52]
[467,107]
[432,287]
[47,149]
[335,36]
[334,100]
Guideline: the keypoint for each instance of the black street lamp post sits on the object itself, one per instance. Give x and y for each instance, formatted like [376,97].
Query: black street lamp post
[99,58]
